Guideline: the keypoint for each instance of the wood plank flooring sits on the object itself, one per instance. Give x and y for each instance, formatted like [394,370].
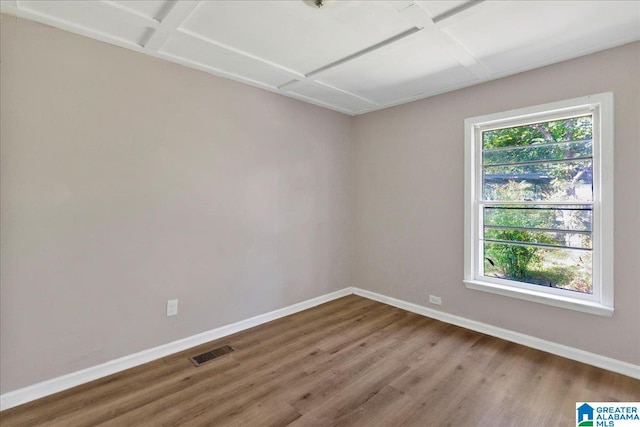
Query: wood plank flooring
[350,362]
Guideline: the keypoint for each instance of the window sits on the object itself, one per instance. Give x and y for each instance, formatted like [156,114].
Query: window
[539,204]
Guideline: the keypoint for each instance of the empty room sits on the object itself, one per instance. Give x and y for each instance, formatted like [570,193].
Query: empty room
[320,213]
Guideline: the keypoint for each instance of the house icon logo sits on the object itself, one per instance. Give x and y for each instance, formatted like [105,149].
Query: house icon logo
[585,415]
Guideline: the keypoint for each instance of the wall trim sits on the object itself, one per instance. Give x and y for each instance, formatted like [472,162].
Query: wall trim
[572,353]
[64,382]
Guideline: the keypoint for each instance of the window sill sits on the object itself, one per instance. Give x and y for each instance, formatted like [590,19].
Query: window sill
[542,298]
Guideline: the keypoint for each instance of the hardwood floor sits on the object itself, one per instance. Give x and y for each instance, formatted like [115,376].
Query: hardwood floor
[345,363]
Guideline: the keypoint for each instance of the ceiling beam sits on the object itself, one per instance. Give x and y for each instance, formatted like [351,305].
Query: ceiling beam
[293,73]
[177,13]
[374,48]
[345,92]
[133,15]
[417,15]
[455,11]
[312,77]
[33,15]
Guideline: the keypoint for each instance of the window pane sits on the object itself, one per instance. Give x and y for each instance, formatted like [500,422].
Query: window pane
[576,128]
[573,218]
[558,268]
[563,181]
[538,152]
[548,238]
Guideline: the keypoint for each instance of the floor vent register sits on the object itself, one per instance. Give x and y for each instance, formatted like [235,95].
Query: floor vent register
[210,355]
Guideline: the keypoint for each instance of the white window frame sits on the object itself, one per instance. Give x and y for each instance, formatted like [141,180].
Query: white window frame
[601,301]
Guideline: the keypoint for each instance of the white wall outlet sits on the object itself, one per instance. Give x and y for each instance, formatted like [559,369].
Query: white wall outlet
[435,300]
[172,307]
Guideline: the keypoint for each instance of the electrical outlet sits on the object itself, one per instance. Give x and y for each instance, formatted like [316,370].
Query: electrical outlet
[435,300]
[172,307]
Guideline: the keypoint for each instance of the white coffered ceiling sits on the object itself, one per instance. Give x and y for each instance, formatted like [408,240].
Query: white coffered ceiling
[350,56]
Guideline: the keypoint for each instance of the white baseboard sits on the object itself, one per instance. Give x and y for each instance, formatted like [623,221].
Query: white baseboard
[593,359]
[54,385]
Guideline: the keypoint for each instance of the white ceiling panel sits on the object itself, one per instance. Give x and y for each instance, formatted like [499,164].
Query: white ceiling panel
[293,34]
[93,16]
[542,33]
[332,97]
[351,56]
[437,8]
[152,9]
[415,66]
[220,60]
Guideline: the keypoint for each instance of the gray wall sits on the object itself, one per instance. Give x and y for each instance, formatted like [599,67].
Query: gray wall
[127,181]
[409,213]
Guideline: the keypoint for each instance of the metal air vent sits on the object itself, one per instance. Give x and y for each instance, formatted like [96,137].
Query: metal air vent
[210,355]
